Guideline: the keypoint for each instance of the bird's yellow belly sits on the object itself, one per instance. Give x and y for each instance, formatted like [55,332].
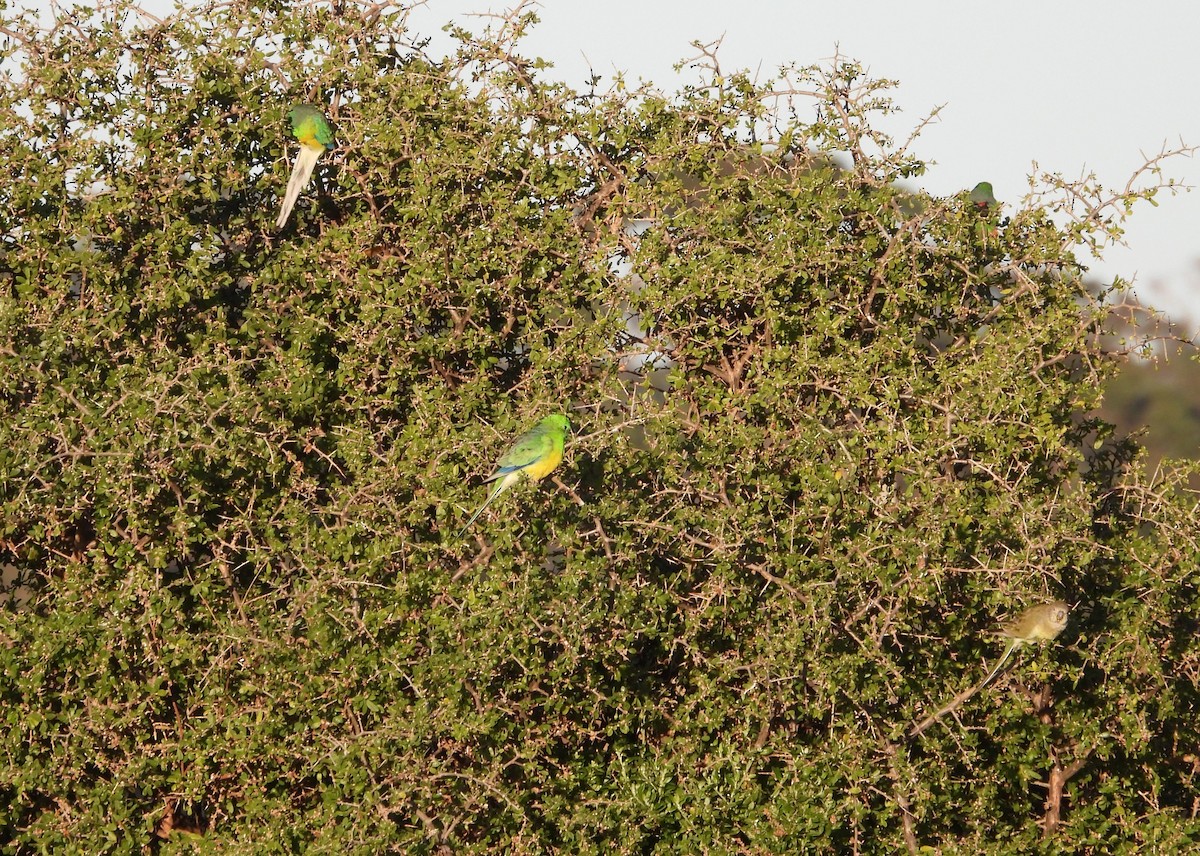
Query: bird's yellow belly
[541,468]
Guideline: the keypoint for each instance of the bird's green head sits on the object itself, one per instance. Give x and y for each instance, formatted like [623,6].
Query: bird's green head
[558,423]
[310,126]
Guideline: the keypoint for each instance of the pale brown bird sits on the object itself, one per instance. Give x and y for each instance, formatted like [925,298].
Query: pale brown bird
[1036,624]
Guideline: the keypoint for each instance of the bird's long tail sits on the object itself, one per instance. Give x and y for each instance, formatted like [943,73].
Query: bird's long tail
[496,491]
[1012,646]
[306,162]
[920,728]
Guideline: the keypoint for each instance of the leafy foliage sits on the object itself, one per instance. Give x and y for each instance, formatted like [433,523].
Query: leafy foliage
[830,433]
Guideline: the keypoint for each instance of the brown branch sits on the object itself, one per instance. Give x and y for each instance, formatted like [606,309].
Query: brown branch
[910,833]
[480,560]
[761,570]
[951,706]
[1059,776]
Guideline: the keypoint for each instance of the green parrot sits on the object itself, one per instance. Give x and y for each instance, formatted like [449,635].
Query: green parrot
[988,208]
[982,198]
[533,456]
[311,128]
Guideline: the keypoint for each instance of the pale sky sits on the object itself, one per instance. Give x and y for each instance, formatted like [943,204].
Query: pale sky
[1075,86]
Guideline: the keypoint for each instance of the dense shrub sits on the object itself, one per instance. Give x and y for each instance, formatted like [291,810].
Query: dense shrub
[846,432]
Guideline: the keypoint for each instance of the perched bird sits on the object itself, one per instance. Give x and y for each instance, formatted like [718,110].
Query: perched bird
[1042,622]
[981,196]
[1038,623]
[988,208]
[311,128]
[533,456]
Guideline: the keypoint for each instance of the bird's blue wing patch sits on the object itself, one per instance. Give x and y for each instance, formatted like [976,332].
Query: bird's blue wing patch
[501,472]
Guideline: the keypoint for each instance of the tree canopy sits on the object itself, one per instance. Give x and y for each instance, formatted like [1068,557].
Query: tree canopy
[829,434]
